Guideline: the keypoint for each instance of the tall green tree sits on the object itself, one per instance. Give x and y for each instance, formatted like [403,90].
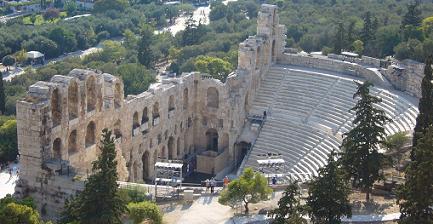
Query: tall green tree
[328,195]
[367,31]
[339,39]
[289,209]
[360,156]
[2,96]
[99,202]
[415,196]
[146,56]
[425,105]
[413,15]
[250,187]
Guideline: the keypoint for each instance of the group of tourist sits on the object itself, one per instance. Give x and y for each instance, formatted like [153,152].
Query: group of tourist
[211,184]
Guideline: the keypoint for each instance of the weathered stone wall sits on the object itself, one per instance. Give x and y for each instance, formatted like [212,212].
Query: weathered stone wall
[406,76]
[60,122]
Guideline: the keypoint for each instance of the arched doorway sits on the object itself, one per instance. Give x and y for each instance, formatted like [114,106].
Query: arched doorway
[72,142]
[145,159]
[57,149]
[90,134]
[212,139]
[171,148]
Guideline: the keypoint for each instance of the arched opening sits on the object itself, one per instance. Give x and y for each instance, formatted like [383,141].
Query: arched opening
[91,93]
[117,129]
[73,100]
[171,103]
[56,108]
[258,57]
[135,171]
[273,50]
[178,152]
[185,98]
[241,150]
[135,123]
[57,148]
[212,139]
[171,148]
[162,153]
[72,143]
[224,141]
[90,134]
[117,95]
[155,112]
[146,163]
[144,116]
[212,97]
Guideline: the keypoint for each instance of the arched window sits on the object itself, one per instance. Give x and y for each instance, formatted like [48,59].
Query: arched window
[91,93]
[185,98]
[212,97]
[171,103]
[171,148]
[56,108]
[72,142]
[212,139]
[135,123]
[145,116]
[57,148]
[146,164]
[155,112]
[73,100]
[117,95]
[117,129]
[90,134]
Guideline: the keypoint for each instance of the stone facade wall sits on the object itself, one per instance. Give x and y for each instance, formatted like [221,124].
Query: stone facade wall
[406,76]
[60,122]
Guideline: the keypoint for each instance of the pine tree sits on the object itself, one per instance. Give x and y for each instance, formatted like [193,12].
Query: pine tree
[328,195]
[415,197]
[360,156]
[2,97]
[339,39]
[425,106]
[289,209]
[99,202]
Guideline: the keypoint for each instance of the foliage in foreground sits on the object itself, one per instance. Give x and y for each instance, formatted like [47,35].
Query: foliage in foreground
[8,136]
[99,202]
[250,184]
[289,209]
[14,211]
[415,196]
[141,211]
[328,194]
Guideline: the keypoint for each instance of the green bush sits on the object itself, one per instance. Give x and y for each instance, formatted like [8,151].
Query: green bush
[145,210]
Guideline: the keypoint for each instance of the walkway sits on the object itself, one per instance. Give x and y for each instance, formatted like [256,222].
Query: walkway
[7,183]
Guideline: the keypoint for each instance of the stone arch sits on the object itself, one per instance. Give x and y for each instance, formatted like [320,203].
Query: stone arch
[212,139]
[162,153]
[212,97]
[273,50]
[56,107]
[224,141]
[117,129]
[171,148]
[185,98]
[178,151]
[144,116]
[155,111]
[171,105]
[146,164]
[90,134]
[72,143]
[117,95]
[91,93]
[57,148]
[135,123]
[73,100]
[259,49]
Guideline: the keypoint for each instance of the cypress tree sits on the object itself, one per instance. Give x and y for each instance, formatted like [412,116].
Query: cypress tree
[425,106]
[99,202]
[415,197]
[289,209]
[367,30]
[339,39]
[328,195]
[360,156]
[2,97]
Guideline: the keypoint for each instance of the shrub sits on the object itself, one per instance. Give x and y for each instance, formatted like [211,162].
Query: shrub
[145,210]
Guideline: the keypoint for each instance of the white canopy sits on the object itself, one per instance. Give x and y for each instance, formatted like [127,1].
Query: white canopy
[34,54]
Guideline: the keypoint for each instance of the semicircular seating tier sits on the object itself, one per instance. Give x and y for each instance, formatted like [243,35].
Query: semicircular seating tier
[309,110]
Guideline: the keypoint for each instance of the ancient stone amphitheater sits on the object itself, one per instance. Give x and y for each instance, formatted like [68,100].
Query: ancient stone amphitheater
[208,124]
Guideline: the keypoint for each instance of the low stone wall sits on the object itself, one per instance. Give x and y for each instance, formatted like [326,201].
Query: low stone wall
[342,67]
[212,164]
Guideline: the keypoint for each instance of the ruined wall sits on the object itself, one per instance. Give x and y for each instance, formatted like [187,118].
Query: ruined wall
[60,122]
[406,76]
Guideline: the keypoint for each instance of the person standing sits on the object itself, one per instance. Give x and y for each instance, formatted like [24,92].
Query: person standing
[212,185]
[207,184]
[226,181]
